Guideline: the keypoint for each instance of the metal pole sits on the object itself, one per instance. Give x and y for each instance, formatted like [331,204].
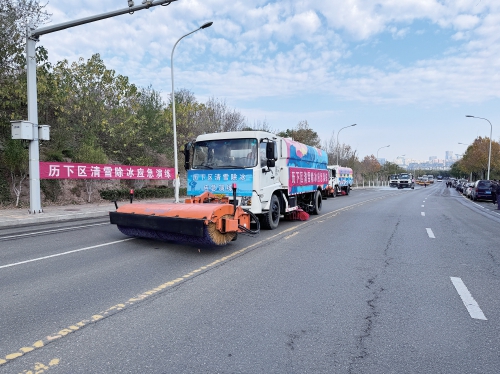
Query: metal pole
[338,148]
[32,36]
[82,21]
[34,151]
[385,146]
[491,134]
[176,165]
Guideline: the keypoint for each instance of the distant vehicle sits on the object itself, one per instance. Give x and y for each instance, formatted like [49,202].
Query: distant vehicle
[439,178]
[339,181]
[430,178]
[393,180]
[467,192]
[406,181]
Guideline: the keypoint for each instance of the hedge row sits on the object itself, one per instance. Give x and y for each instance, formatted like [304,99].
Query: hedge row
[143,193]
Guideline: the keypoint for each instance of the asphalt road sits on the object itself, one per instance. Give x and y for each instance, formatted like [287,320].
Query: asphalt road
[383,281]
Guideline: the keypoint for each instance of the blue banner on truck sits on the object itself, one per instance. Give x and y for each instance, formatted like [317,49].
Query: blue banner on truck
[220,181]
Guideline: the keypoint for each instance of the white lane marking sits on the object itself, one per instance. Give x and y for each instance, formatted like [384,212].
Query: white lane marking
[54,230]
[422,206]
[423,214]
[478,205]
[430,233]
[469,302]
[65,253]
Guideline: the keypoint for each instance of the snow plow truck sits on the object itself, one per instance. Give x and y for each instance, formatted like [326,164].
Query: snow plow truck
[234,179]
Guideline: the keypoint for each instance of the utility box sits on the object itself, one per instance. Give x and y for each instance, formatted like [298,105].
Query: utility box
[22,130]
[43,132]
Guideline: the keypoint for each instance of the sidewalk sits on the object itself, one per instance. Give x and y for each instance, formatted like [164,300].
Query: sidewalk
[56,213]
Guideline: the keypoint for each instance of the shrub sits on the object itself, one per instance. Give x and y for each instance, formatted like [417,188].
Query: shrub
[51,188]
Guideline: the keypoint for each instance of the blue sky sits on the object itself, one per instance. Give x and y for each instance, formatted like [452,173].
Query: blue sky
[405,71]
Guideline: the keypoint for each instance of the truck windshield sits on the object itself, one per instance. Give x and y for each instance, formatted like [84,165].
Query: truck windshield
[225,153]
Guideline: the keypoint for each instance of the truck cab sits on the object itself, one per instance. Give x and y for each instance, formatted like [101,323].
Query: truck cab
[393,180]
[406,181]
[274,176]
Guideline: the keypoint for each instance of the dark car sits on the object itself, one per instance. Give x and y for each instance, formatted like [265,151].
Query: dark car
[481,190]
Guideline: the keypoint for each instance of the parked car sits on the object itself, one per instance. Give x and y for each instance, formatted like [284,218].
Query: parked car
[468,190]
[481,190]
[461,186]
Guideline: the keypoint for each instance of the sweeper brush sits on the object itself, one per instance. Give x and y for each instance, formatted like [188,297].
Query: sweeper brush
[203,220]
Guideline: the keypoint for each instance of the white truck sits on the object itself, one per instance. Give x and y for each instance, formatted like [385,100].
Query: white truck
[394,180]
[274,176]
[406,180]
[339,180]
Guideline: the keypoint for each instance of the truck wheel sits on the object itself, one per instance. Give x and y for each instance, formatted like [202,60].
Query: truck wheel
[272,217]
[318,203]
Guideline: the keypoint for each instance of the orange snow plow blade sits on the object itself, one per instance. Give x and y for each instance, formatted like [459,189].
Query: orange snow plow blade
[205,219]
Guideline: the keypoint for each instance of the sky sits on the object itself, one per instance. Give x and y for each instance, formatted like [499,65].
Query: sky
[406,72]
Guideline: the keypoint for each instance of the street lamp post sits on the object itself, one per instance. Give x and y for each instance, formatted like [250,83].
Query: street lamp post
[338,148]
[385,146]
[491,133]
[468,145]
[176,165]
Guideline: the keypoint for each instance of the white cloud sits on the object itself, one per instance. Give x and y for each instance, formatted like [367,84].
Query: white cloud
[465,22]
[290,49]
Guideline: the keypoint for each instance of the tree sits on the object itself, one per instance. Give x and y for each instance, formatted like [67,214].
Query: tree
[259,126]
[217,117]
[369,166]
[390,168]
[90,153]
[15,158]
[15,15]
[302,133]
[475,159]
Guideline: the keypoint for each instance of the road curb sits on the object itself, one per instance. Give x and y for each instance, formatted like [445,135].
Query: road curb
[49,218]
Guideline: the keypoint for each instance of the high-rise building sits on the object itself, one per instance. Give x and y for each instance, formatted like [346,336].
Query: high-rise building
[449,155]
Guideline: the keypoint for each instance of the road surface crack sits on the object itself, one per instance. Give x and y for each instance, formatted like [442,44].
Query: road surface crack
[369,319]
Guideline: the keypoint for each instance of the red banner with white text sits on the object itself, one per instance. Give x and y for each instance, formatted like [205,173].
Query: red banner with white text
[70,170]
[307,177]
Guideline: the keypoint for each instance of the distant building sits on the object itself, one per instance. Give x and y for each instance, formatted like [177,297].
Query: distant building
[400,161]
[432,158]
[449,155]
[381,161]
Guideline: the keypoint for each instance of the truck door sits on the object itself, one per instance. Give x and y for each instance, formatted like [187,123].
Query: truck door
[269,178]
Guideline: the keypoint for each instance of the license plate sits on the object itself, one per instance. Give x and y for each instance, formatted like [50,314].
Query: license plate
[487,192]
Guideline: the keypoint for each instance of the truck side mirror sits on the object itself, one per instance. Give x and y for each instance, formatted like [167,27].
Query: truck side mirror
[187,156]
[271,163]
[272,151]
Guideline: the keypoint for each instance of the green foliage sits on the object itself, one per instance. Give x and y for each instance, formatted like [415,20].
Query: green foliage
[143,193]
[15,157]
[51,189]
[303,133]
[91,153]
[5,197]
[475,159]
